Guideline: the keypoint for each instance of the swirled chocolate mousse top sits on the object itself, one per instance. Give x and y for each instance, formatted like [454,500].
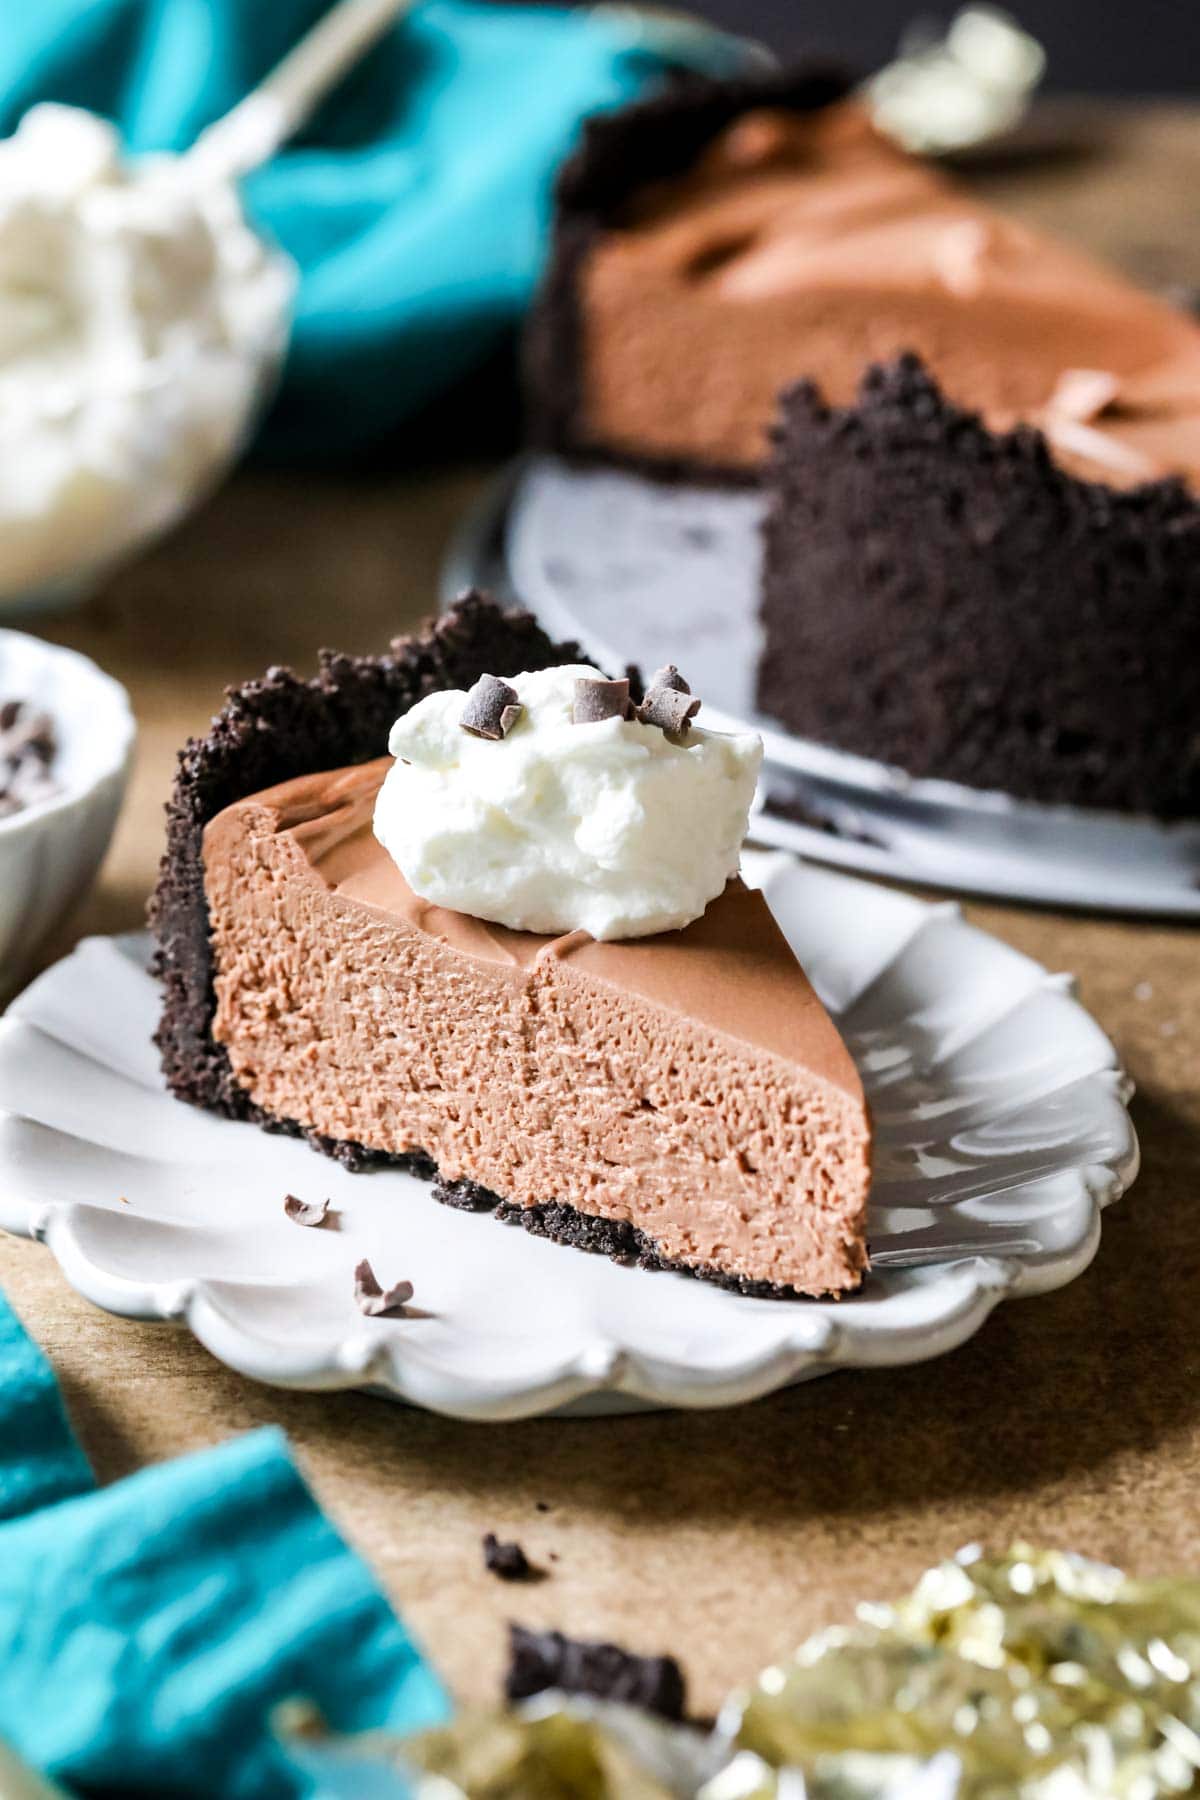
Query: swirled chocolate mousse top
[804,245]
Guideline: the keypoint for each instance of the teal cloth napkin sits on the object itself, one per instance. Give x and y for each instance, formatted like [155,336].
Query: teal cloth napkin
[148,1629]
[415,203]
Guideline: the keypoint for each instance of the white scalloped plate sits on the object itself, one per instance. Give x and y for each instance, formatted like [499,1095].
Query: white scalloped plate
[1002,1127]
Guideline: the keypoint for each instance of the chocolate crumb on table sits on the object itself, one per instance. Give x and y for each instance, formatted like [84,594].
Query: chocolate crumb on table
[546,1659]
[507,1560]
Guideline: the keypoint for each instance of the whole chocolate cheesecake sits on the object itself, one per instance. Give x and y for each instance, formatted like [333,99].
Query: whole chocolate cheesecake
[980,448]
[678,1096]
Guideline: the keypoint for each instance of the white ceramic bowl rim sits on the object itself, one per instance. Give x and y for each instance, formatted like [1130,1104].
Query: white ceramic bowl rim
[109,720]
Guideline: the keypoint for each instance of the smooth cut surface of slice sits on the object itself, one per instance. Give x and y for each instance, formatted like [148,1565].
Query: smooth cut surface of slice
[685,1097]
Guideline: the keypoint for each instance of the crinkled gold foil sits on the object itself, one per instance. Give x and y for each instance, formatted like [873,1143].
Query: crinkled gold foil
[488,1756]
[562,1747]
[1039,1676]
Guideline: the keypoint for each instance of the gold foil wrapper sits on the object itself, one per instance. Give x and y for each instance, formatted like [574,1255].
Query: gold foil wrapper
[1041,1675]
[509,1756]
[1038,1675]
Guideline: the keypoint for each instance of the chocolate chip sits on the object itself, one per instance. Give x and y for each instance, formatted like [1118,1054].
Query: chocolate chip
[27,748]
[668,677]
[597,699]
[546,1659]
[508,1560]
[671,709]
[374,1300]
[305,1212]
[492,709]
[28,731]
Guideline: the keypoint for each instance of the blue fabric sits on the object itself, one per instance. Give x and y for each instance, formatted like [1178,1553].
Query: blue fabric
[415,203]
[148,1629]
[40,1461]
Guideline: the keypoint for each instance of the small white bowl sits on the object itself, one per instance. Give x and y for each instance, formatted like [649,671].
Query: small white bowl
[50,852]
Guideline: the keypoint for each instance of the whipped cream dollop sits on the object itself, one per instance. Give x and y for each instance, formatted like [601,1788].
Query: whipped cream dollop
[613,827]
[948,93]
[140,322]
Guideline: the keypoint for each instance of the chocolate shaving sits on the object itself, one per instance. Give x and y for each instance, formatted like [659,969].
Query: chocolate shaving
[546,1659]
[492,709]
[27,748]
[373,1300]
[668,677]
[507,1560]
[305,1212]
[597,699]
[671,709]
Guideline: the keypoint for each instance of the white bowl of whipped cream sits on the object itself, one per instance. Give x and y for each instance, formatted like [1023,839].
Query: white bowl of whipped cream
[142,326]
[66,743]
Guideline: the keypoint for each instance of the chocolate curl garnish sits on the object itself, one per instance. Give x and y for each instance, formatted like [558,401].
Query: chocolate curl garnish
[596,699]
[492,709]
[375,1301]
[672,709]
[668,677]
[25,732]
[305,1212]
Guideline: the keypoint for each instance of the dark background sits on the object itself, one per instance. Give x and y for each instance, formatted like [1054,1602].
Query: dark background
[1105,46]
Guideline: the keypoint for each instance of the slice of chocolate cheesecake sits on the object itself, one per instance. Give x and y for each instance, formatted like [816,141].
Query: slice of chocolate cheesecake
[681,1098]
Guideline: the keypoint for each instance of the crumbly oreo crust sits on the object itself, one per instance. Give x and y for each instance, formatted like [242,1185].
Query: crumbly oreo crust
[620,153]
[947,599]
[268,731]
[282,726]
[614,1238]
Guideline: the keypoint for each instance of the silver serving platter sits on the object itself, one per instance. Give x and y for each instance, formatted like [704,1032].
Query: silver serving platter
[648,572]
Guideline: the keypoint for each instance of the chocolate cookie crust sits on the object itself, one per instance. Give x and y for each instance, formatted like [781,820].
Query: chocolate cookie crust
[948,600]
[282,726]
[268,731]
[614,1238]
[620,153]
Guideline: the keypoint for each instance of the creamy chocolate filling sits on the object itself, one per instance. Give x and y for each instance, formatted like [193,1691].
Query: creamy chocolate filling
[807,246]
[691,1084]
